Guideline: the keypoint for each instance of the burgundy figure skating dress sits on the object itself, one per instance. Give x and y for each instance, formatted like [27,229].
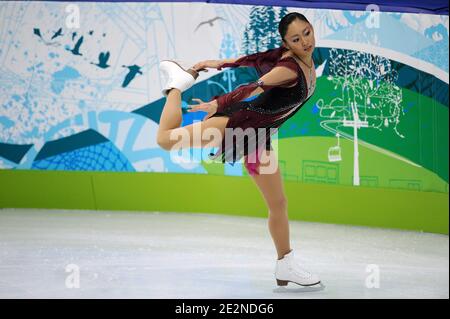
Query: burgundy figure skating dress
[268,110]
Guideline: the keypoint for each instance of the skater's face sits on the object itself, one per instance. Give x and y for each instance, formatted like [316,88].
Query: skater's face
[299,38]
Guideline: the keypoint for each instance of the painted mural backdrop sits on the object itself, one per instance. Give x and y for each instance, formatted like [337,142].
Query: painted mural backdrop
[80,89]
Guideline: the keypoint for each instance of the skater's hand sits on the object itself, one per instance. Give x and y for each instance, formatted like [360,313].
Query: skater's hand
[213,64]
[208,107]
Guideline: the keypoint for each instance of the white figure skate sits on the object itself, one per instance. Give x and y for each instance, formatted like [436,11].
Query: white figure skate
[287,270]
[177,76]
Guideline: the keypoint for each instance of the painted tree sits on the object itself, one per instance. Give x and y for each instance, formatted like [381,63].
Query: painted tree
[367,96]
[271,31]
[261,33]
[228,50]
[245,42]
[282,12]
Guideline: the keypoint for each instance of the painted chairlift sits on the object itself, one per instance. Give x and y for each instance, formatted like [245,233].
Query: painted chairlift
[334,152]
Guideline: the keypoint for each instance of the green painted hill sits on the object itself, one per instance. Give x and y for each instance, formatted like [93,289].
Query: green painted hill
[305,159]
[424,126]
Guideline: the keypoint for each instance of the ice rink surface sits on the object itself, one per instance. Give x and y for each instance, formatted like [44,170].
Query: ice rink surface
[109,254]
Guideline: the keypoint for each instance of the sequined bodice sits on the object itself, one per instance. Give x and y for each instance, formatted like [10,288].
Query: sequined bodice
[279,99]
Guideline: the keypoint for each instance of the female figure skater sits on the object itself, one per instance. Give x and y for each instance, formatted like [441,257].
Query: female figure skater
[287,81]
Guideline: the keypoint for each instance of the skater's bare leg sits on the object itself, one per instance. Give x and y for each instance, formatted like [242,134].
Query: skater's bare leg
[171,116]
[170,133]
[271,187]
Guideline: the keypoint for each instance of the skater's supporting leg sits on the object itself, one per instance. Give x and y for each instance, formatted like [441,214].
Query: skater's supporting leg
[271,187]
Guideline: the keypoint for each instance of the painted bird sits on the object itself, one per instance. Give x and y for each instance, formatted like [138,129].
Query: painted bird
[210,22]
[134,69]
[76,49]
[57,34]
[37,32]
[103,59]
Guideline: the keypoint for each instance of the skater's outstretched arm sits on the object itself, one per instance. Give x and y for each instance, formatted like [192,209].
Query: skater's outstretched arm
[282,74]
[261,61]
[214,64]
